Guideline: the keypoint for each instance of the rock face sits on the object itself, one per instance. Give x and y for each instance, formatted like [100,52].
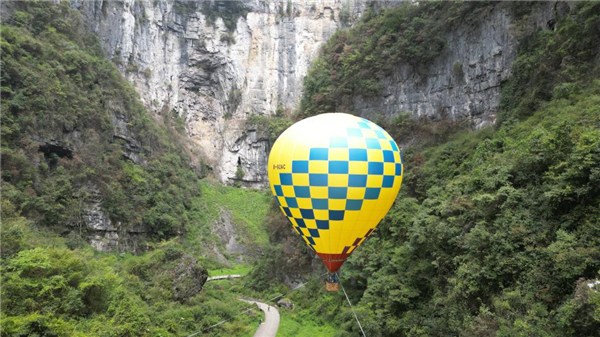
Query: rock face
[225,230]
[105,235]
[214,63]
[463,83]
[95,225]
[284,303]
[188,278]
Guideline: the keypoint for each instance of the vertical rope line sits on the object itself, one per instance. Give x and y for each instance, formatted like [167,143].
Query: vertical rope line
[351,308]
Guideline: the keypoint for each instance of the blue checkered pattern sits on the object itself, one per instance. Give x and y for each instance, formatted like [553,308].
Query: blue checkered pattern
[371,147]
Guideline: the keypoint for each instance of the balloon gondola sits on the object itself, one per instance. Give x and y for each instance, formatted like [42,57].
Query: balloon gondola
[335,176]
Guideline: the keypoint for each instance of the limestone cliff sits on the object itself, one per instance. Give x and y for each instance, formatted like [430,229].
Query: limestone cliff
[216,63]
[464,82]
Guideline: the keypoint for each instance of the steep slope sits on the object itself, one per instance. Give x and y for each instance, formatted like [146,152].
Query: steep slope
[53,286]
[80,153]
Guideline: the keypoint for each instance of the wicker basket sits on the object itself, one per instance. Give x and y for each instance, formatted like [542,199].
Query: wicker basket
[332,286]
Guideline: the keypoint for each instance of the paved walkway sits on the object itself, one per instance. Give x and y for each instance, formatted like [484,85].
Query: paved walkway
[223,277]
[271,324]
[269,327]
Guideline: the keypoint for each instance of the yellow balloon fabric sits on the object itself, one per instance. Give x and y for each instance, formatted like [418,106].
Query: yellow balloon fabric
[335,176]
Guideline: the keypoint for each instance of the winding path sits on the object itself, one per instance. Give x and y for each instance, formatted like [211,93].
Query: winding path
[269,327]
[271,324]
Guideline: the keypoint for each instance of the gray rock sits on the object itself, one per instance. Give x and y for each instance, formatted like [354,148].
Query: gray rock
[132,148]
[284,303]
[178,61]
[188,278]
[101,232]
[484,55]
[227,233]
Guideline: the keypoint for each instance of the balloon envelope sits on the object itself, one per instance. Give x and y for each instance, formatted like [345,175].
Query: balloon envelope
[335,176]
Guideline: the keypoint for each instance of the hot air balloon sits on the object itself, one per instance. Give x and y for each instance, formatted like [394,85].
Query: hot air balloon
[335,176]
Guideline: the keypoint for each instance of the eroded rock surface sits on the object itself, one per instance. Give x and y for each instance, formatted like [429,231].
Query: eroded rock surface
[188,278]
[216,74]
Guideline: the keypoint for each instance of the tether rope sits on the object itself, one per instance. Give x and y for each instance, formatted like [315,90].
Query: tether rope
[351,308]
[252,307]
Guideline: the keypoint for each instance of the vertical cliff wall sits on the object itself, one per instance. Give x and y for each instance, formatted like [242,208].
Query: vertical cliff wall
[214,63]
[464,81]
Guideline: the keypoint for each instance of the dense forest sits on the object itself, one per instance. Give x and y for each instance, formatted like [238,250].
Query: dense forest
[496,232]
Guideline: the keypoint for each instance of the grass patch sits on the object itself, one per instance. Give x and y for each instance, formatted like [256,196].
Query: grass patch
[235,270]
[301,323]
[228,294]
[248,208]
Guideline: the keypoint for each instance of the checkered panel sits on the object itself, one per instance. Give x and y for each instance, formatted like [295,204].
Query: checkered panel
[357,242]
[330,185]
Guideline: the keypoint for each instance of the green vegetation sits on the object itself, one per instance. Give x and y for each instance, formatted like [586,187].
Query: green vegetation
[239,175]
[316,312]
[272,125]
[235,270]
[345,15]
[75,133]
[248,208]
[229,38]
[234,97]
[280,111]
[553,64]
[495,232]
[229,11]
[50,288]
[303,324]
[457,71]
